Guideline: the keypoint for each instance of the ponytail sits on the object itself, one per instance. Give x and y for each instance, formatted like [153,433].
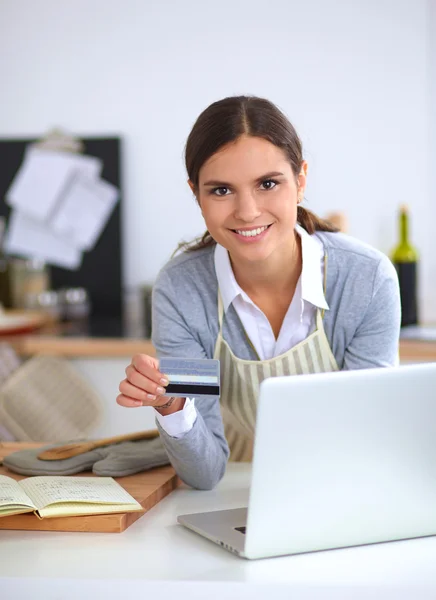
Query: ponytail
[311,222]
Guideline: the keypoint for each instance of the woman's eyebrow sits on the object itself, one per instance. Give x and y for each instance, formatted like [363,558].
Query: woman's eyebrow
[269,176]
[216,183]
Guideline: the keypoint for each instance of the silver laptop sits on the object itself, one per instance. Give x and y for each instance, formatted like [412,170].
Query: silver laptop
[340,459]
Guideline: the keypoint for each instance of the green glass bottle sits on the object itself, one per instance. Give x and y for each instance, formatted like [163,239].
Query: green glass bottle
[405,259]
[5,271]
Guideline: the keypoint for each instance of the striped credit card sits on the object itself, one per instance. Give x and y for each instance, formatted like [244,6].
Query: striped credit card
[191,377]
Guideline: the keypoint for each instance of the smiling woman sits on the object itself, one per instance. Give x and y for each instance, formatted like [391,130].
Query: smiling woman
[229,121]
[270,289]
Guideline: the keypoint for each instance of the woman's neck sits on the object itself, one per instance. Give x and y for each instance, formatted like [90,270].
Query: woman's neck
[279,273]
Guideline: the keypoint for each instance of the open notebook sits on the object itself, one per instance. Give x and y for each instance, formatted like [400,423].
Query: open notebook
[64,496]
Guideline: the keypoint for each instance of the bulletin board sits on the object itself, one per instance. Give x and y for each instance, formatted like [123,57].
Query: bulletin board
[101,269]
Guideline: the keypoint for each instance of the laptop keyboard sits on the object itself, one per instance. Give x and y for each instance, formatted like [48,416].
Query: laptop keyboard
[241,529]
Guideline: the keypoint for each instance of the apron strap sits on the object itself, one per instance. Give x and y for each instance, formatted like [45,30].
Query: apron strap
[319,318]
[324,287]
[220,312]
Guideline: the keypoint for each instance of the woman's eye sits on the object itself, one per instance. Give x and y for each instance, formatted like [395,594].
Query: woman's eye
[268,184]
[221,191]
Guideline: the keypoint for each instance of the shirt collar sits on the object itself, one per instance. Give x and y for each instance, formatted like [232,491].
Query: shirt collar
[312,284]
[311,275]
[227,284]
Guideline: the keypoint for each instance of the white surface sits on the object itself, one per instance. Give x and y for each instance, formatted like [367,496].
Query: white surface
[113,589]
[354,78]
[156,551]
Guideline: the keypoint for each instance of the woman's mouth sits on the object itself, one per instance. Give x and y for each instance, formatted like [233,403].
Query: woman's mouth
[251,234]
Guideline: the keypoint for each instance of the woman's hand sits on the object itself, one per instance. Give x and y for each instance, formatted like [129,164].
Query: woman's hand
[144,386]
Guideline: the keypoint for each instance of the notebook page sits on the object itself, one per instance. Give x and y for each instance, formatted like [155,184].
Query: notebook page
[45,490]
[11,494]
[65,509]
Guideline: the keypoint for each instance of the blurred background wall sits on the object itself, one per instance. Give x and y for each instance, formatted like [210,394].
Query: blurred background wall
[356,77]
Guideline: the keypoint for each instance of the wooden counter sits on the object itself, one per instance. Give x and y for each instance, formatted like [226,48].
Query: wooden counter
[417,351]
[25,345]
[79,346]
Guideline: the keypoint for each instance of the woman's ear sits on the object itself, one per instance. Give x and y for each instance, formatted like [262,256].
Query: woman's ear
[302,179]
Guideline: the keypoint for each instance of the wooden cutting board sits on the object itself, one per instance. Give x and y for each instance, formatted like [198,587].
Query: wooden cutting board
[148,488]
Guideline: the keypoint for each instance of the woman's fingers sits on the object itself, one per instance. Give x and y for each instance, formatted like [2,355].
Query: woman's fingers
[131,402]
[128,402]
[144,384]
[136,379]
[136,393]
[149,367]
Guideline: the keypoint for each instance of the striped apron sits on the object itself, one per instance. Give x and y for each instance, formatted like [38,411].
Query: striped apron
[240,381]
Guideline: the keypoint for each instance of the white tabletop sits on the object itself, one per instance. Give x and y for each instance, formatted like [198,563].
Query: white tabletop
[157,554]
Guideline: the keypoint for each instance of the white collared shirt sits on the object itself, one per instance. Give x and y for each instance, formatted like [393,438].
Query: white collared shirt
[300,319]
[298,324]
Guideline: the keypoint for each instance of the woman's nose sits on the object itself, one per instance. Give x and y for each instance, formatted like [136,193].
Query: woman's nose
[246,208]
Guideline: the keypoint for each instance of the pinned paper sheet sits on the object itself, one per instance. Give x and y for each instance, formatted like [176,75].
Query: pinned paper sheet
[29,237]
[44,176]
[60,206]
[84,210]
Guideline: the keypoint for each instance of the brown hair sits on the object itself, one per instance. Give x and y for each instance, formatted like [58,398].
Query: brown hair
[224,122]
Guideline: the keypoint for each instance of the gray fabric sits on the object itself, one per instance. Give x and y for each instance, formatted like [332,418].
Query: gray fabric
[116,460]
[132,457]
[362,327]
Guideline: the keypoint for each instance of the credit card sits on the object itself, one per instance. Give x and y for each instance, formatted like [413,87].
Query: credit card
[191,377]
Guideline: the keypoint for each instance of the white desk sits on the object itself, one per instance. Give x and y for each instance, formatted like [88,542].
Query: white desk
[157,556]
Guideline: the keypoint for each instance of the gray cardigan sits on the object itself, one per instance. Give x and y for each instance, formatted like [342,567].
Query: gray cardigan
[362,327]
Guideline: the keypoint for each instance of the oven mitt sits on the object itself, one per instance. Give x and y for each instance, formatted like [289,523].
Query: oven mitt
[9,362]
[47,399]
[114,460]
[132,457]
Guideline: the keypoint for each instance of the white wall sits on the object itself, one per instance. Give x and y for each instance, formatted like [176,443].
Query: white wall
[353,76]
[431,49]
[104,375]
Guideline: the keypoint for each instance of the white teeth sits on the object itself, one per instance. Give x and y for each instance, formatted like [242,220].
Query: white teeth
[251,232]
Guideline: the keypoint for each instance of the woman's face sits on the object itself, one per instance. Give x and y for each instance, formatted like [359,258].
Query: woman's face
[248,196]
